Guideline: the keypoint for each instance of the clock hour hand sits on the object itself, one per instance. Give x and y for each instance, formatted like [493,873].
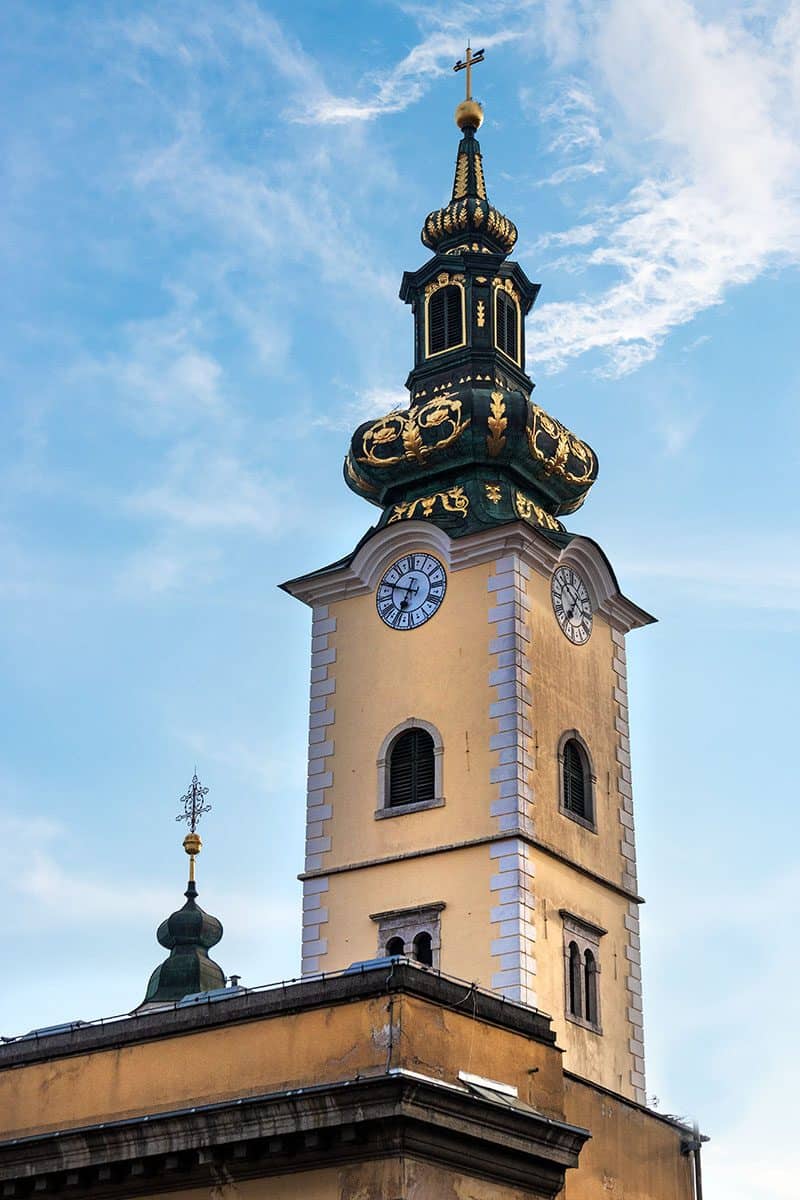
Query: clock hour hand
[410,591]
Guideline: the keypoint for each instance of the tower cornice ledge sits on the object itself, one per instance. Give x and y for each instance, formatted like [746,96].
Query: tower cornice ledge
[360,571]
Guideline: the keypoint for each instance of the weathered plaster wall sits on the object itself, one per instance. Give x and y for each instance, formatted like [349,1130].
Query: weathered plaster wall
[364,1037]
[632,1153]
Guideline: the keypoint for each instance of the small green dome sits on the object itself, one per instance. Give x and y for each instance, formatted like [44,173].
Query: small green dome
[188,934]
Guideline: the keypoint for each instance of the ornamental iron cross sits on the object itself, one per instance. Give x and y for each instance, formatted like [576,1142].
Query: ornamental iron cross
[193,806]
[467,64]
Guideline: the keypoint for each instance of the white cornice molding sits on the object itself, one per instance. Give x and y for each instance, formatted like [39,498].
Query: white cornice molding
[362,573]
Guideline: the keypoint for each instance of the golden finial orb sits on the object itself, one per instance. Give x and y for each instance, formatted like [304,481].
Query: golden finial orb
[469,115]
[192,843]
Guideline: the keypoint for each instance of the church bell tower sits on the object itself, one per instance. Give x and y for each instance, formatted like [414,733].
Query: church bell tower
[469,784]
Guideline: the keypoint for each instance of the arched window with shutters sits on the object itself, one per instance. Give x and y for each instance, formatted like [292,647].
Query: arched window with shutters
[410,769]
[576,780]
[444,319]
[506,324]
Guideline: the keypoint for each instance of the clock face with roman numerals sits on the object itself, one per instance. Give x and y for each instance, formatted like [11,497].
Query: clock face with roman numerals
[572,605]
[411,591]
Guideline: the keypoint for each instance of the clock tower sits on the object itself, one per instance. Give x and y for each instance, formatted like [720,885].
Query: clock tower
[469,783]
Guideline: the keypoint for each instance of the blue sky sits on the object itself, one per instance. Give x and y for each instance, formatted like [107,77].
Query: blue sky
[205,214]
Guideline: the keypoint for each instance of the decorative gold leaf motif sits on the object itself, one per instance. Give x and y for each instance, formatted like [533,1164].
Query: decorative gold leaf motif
[460,189]
[479,182]
[477,216]
[453,500]
[402,431]
[497,422]
[481,314]
[492,492]
[555,462]
[529,511]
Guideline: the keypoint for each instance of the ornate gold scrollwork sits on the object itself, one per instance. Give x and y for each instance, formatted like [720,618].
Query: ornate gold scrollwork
[530,511]
[507,286]
[442,280]
[404,429]
[497,422]
[492,492]
[555,462]
[362,484]
[454,500]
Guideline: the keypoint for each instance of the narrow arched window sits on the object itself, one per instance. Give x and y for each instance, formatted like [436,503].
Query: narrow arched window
[445,319]
[412,775]
[395,947]
[576,781]
[506,321]
[423,949]
[574,1006]
[590,986]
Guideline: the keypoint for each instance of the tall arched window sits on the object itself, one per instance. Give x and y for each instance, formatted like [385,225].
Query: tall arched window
[576,783]
[423,949]
[574,1006]
[412,775]
[590,986]
[506,325]
[445,319]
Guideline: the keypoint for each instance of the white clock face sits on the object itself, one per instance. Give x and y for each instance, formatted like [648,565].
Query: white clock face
[572,605]
[411,591]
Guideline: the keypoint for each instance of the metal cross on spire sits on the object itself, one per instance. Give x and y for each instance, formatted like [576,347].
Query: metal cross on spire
[467,64]
[193,806]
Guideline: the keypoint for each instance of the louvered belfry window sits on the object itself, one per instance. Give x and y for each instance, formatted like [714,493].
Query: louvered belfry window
[411,768]
[445,324]
[576,798]
[506,332]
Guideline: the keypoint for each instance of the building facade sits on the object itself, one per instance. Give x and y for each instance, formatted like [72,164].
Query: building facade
[469,1021]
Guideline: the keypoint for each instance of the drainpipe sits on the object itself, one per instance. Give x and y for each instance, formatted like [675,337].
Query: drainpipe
[692,1145]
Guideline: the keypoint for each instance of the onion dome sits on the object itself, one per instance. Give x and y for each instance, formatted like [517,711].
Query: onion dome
[478,452]
[189,933]
[469,214]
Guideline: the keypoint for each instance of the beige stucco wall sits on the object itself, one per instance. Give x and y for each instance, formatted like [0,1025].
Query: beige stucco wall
[459,878]
[632,1154]
[604,1057]
[360,1038]
[573,688]
[439,673]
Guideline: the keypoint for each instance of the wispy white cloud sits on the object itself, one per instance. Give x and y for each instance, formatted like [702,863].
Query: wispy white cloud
[371,402]
[203,489]
[707,113]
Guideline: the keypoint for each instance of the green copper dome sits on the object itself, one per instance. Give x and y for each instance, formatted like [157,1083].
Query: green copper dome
[188,934]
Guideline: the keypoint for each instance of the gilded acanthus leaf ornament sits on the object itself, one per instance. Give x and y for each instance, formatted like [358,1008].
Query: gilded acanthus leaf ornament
[497,422]
[493,492]
[567,457]
[481,314]
[454,500]
[399,435]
